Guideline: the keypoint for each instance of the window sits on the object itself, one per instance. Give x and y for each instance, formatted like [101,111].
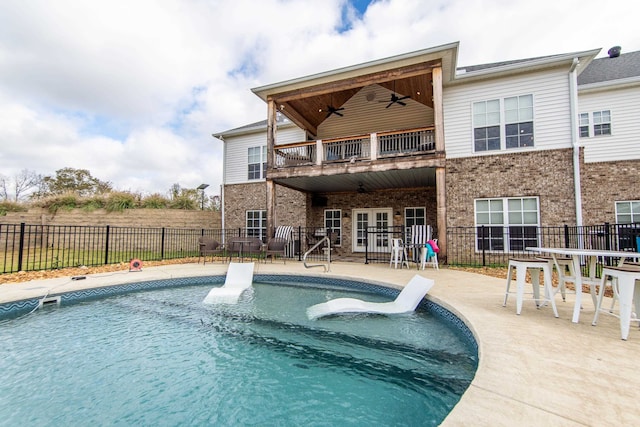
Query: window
[584,125]
[518,118]
[511,117]
[257,224]
[413,216]
[628,212]
[506,224]
[602,123]
[257,162]
[333,225]
[486,122]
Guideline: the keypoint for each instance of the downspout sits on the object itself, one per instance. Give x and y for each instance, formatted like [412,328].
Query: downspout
[573,95]
[224,166]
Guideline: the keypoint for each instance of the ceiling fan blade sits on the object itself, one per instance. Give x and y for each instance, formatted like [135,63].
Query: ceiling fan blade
[402,103]
[338,114]
[389,105]
[404,97]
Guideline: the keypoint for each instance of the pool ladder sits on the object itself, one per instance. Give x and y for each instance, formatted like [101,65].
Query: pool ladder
[327,250]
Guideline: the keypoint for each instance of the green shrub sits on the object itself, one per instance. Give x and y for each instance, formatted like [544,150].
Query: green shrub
[183,202]
[66,201]
[155,201]
[119,201]
[7,206]
[92,203]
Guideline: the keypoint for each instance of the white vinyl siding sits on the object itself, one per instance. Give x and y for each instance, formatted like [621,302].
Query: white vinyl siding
[237,147]
[552,119]
[624,141]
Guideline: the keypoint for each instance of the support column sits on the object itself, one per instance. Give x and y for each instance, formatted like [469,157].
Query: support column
[441,191]
[271,208]
[271,156]
[438,116]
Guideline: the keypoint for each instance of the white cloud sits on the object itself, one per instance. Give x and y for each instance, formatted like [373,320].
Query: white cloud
[133,91]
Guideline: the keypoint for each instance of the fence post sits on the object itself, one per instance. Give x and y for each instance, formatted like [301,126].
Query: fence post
[299,243]
[484,244]
[21,246]
[162,243]
[106,246]
[607,236]
[566,236]
[366,245]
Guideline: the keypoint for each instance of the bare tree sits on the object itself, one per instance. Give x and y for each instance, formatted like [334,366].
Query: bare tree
[25,181]
[20,184]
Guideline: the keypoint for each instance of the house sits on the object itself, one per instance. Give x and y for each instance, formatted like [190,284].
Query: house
[417,139]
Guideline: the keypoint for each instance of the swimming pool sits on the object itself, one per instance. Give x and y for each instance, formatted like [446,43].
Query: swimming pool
[162,357]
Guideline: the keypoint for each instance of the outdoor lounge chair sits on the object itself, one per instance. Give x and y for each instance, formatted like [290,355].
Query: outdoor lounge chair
[406,302]
[239,278]
[209,247]
[276,247]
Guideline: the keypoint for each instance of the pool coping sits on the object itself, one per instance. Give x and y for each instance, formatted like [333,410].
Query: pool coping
[533,369]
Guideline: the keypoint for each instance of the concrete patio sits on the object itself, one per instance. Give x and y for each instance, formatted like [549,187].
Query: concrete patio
[534,369]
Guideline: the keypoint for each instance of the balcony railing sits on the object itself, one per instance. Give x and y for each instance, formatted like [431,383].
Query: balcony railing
[411,142]
[362,147]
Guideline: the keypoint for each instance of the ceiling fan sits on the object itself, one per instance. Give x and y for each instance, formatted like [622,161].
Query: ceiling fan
[395,99]
[333,110]
[361,189]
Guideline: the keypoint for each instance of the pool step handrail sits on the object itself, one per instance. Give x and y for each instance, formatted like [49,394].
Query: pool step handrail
[327,265]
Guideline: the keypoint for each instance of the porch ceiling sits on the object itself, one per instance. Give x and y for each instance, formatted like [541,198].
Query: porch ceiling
[308,107]
[371,181]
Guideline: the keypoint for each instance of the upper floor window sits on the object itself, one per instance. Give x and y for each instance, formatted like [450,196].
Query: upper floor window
[333,225]
[597,123]
[511,117]
[602,123]
[257,162]
[628,212]
[507,224]
[584,125]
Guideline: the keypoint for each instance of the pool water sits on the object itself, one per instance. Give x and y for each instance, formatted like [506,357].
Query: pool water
[162,357]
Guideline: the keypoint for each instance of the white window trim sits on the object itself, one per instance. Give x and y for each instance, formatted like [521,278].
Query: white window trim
[505,225]
[632,213]
[503,126]
[592,124]
[263,160]
[339,218]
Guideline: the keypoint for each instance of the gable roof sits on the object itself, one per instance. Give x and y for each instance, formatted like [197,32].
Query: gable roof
[608,69]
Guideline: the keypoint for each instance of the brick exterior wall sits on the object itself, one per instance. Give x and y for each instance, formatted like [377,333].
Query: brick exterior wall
[605,183]
[146,218]
[291,205]
[546,174]
[396,199]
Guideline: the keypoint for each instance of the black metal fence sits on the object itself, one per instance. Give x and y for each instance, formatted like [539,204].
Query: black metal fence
[25,247]
[486,246]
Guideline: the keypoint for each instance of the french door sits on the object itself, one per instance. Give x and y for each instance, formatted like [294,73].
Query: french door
[379,240]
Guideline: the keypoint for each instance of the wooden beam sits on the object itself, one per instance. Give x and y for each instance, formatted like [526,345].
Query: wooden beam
[438,115]
[298,118]
[355,82]
[271,208]
[441,218]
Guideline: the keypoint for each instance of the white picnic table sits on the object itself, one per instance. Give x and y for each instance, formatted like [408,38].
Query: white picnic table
[592,255]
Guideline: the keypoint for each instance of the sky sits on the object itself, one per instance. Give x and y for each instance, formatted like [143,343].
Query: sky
[133,90]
